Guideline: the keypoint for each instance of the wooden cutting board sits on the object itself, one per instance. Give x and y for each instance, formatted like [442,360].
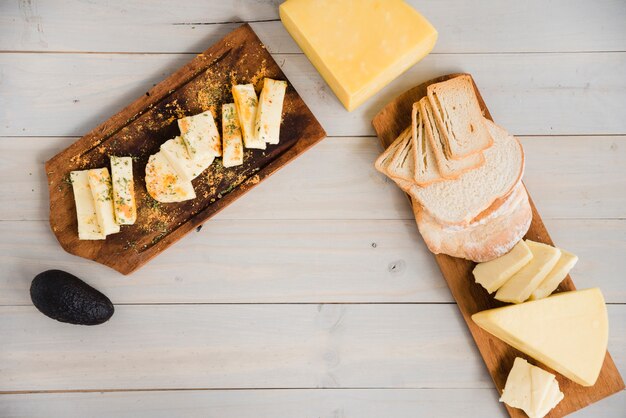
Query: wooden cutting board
[141,128]
[472,298]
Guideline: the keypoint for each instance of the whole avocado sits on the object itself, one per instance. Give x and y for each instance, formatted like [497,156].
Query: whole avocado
[66,298]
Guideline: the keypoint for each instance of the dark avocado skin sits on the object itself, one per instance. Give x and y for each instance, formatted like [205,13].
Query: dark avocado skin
[66,298]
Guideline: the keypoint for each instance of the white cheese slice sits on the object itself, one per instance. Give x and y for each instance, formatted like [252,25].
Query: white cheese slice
[163,182]
[567,332]
[517,389]
[178,156]
[566,262]
[231,136]
[200,135]
[270,111]
[102,192]
[493,274]
[519,287]
[553,397]
[124,203]
[88,226]
[247,104]
[542,382]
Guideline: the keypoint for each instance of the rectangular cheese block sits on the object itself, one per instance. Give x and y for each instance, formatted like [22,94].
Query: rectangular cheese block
[247,103]
[232,142]
[88,226]
[200,135]
[567,332]
[566,262]
[358,46]
[493,274]
[178,156]
[124,204]
[102,192]
[163,182]
[270,110]
[517,389]
[519,287]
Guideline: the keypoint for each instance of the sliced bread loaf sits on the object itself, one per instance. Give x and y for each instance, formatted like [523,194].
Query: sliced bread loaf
[481,241]
[426,169]
[448,167]
[459,117]
[458,202]
[385,160]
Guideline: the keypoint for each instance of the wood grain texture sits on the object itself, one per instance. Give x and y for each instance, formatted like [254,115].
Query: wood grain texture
[293,261]
[530,94]
[188,25]
[564,181]
[472,298]
[250,346]
[284,403]
[141,128]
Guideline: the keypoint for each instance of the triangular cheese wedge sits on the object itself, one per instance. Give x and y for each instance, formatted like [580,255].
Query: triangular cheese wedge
[567,332]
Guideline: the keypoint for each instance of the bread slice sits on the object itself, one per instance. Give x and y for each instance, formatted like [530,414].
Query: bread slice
[459,117]
[485,240]
[458,202]
[384,160]
[448,168]
[426,169]
[402,164]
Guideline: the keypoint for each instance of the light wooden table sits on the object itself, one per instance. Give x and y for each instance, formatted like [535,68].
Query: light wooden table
[314,295]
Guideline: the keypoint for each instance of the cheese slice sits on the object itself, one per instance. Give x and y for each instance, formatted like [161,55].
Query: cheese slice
[179,158]
[517,389]
[566,262]
[231,136]
[270,110]
[493,274]
[124,205]
[163,182]
[553,397]
[246,103]
[102,192]
[201,136]
[519,287]
[358,46]
[88,226]
[567,332]
[541,383]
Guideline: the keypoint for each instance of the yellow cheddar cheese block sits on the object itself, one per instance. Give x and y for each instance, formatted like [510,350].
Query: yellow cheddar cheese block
[358,46]
[567,332]
[493,274]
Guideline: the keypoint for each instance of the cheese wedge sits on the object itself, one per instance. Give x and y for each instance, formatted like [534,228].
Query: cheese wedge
[541,384]
[124,205]
[201,136]
[179,158]
[102,192]
[246,103]
[519,287]
[493,274]
[88,226]
[566,262]
[567,332]
[358,46]
[231,136]
[270,110]
[163,182]
[518,387]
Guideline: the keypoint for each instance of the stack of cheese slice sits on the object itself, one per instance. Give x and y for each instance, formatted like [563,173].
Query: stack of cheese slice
[567,332]
[531,270]
[248,121]
[531,389]
[104,201]
[463,173]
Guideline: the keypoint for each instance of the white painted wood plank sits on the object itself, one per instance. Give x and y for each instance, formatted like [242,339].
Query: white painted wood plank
[293,261]
[287,403]
[530,94]
[251,346]
[149,26]
[569,177]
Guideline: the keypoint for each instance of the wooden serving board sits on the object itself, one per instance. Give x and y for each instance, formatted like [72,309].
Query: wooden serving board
[472,298]
[141,128]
